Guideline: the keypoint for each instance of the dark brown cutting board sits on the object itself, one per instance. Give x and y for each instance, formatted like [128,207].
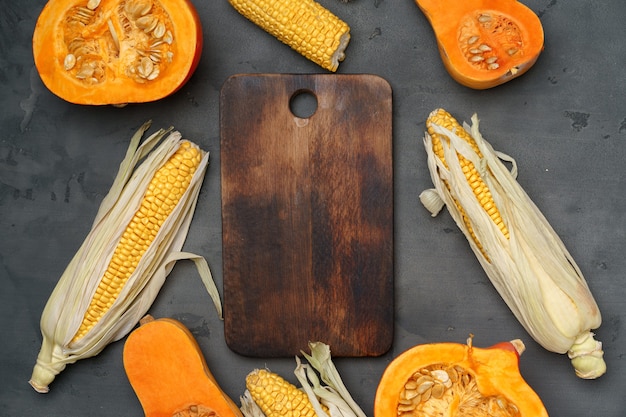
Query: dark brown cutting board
[307,214]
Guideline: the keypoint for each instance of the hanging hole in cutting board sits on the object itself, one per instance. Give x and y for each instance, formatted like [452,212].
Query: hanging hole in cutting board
[303,104]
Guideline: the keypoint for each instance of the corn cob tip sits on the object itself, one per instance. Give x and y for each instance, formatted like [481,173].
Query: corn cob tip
[47,367]
[587,357]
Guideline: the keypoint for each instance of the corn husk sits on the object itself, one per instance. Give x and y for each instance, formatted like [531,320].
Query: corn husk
[70,298]
[333,393]
[532,270]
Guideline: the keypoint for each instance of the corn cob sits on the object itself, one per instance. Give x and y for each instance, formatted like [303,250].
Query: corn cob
[520,252]
[304,25]
[278,397]
[133,244]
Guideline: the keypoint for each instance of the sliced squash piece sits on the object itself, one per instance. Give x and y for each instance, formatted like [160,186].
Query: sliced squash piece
[169,374]
[485,43]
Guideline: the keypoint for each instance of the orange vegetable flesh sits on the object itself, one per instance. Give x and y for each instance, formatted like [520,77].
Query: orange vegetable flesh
[169,374]
[453,379]
[116,51]
[485,43]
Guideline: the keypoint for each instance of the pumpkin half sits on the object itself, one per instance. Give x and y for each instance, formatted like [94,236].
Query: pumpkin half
[169,374]
[484,43]
[454,379]
[116,51]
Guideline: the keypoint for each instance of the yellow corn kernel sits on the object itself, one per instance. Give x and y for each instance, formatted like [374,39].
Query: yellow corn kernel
[143,223]
[520,252]
[304,25]
[442,118]
[278,397]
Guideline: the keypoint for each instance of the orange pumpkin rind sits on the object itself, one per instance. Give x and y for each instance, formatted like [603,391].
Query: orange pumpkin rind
[457,379]
[484,44]
[98,52]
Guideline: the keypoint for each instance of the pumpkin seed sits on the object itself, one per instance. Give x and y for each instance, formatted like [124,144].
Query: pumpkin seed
[69,62]
[441,376]
[410,385]
[484,18]
[403,408]
[93,4]
[86,71]
[493,66]
[473,40]
[136,9]
[168,37]
[425,386]
[145,67]
[437,391]
[147,23]
[452,374]
[410,394]
[113,33]
[424,378]
[154,74]
[502,403]
[484,47]
[159,31]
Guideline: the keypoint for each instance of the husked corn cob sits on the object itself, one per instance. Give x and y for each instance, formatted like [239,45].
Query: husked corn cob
[278,397]
[520,252]
[164,191]
[133,245]
[304,25]
[442,118]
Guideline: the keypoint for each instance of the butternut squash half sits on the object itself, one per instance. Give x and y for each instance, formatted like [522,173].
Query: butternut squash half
[169,374]
[485,43]
[116,51]
[453,379]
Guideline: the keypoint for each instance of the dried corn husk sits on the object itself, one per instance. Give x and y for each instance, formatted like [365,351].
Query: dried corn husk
[532,270]
[334,394]
[70,298]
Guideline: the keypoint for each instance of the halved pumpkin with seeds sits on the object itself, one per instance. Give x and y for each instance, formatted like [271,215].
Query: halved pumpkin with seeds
[485,43]
[453,379]
[116,51]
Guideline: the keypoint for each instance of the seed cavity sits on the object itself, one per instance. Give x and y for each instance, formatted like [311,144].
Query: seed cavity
[433,390]
[139,40]
[487,35]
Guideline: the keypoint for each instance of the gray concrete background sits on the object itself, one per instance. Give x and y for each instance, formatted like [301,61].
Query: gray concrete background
[564,122]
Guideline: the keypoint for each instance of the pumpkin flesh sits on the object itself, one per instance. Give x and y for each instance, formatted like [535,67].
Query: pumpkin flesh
[116,51]
[453,379]
[169,374]
[485,43]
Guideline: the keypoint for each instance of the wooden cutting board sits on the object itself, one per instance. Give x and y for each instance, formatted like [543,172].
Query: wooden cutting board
[307,214]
